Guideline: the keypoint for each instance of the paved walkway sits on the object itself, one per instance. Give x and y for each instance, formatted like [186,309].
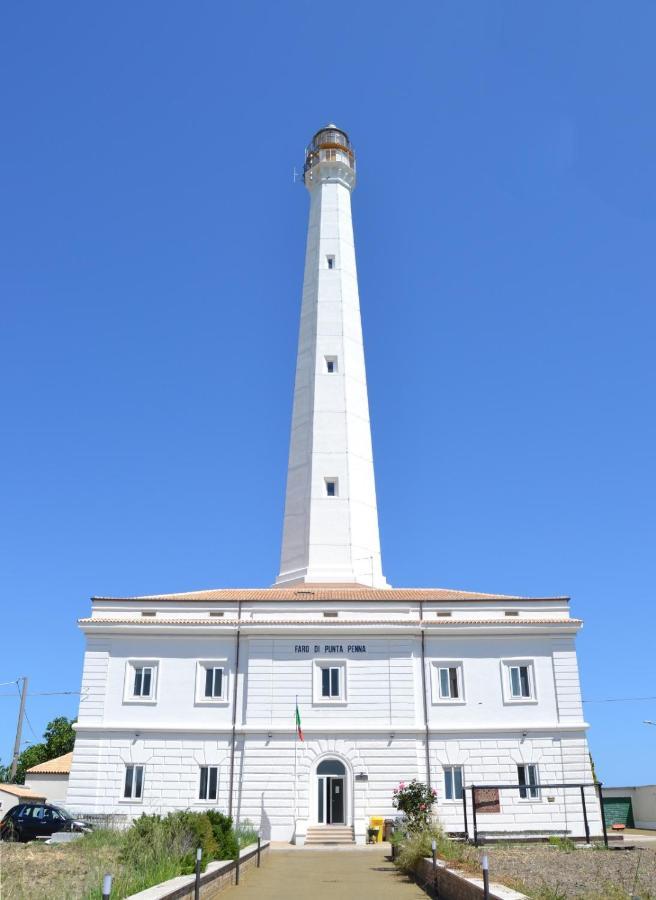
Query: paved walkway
[330,874]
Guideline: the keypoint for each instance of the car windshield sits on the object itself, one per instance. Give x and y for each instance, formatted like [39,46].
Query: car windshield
[63,812]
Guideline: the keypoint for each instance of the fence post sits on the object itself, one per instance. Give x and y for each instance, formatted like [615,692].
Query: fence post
[585,816]
[259,850]
[106,886]
[434,849]
[237,861]
[199,854]
[464,812]
[603,817]
[486,878]
[474,823]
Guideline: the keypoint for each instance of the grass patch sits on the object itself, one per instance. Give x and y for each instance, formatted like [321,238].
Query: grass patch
[567,845]
[152,850]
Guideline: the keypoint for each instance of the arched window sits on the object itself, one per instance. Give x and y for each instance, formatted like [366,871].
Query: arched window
[331,767]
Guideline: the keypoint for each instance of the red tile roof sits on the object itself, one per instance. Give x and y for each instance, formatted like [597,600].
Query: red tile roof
[322,592]
[258,623]
[60,765]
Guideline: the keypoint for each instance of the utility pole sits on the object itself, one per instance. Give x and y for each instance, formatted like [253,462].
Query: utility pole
[19,728]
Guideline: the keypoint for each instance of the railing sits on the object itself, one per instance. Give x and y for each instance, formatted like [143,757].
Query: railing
[578,786]
[331,155]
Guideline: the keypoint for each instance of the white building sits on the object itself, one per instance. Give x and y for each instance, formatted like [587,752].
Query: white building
[189,699]
[50,779]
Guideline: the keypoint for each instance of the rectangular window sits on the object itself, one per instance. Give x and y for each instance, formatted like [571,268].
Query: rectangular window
[330,681]
[520,682]
[453,782]
[331,364]
[449,683]
[209,779]
[527,776]
[213,682]
[331,262]
[143,681]
[331,487]
[133,788]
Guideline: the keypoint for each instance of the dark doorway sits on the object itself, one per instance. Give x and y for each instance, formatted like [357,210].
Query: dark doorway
[331,785]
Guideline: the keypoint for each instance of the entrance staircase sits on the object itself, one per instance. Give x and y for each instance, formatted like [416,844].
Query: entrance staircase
[329,834]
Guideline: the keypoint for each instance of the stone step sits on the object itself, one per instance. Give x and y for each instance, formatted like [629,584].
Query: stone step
[329,834]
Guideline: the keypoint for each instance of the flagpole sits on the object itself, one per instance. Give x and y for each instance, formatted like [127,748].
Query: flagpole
[295,778]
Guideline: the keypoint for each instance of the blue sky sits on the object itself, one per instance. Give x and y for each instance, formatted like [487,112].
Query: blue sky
[151,254]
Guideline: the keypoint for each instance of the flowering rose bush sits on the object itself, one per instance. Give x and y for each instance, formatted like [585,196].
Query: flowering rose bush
[415,801]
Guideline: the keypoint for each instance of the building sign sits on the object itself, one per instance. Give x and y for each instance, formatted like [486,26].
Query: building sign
[487,800]
[305,649]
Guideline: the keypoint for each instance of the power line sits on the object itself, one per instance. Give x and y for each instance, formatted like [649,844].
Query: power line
[43,693]
[620,700]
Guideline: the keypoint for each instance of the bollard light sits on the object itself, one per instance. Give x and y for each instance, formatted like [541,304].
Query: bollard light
[486,877]
[433,845]
[107,886]
[199,854]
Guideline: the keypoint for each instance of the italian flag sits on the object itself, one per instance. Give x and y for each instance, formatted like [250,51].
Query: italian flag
[299,730]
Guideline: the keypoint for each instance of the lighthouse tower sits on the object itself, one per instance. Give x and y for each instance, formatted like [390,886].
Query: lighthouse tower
[331,520]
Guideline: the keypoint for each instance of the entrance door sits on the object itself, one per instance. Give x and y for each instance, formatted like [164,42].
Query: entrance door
[331,787]
[336,801]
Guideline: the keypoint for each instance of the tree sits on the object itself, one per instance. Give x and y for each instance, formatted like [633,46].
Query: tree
[59,738]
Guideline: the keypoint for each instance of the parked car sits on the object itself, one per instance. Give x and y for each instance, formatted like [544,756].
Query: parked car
[29,821]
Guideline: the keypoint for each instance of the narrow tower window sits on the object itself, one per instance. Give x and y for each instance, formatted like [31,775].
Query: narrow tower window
[331,487]
[331,364]
[331,262]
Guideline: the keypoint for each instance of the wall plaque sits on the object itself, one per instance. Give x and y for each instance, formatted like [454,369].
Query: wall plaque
[487,800]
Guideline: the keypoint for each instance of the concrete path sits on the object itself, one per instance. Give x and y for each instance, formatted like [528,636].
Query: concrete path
[326,874]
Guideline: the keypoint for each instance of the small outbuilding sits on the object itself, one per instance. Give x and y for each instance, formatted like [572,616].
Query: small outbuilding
[51,778]
[630,806]
[13,794]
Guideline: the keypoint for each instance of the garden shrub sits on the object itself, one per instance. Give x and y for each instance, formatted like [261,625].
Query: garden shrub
[415,801]
[174,837]
[227,844]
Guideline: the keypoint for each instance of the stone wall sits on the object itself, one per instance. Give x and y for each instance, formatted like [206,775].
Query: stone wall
[452,884]
[216,878]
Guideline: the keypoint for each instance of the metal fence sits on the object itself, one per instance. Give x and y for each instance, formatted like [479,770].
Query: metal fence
[477,799]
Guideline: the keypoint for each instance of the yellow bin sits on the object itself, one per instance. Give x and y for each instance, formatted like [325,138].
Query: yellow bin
[379,823]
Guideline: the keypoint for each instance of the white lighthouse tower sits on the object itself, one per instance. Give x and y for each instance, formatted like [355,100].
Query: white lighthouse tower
[331,519]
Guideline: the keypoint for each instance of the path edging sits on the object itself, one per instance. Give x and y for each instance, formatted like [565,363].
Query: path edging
[454,884]
[217,876]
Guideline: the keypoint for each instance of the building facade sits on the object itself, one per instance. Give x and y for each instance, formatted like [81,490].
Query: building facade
[189,700]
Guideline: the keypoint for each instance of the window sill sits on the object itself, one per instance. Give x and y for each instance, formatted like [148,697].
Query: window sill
[444,701]
[140,701]
[520,701]
[215,701]
[133,800]
[326,702]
